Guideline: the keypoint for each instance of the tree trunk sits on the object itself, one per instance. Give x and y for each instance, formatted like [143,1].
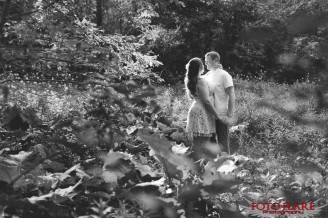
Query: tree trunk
[99,13]
[5,12]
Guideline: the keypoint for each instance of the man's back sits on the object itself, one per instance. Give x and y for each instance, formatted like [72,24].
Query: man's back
[218,80]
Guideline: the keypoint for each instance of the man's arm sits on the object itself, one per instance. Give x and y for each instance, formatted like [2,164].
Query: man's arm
[231,103]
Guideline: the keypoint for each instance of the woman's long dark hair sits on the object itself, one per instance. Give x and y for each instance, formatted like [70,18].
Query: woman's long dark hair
[193,67]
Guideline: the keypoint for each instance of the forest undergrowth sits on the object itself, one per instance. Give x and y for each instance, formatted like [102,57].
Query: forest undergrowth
[95,152]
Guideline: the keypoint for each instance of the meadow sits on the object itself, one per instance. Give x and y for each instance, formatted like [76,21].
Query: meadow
[278,116]
[81,158]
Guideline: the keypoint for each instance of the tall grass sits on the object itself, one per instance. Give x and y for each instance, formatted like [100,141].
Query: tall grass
[48,100]
[271,130]
[269,109]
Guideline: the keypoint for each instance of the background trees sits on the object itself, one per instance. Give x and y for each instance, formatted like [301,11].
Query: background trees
[59,40]
[281,40]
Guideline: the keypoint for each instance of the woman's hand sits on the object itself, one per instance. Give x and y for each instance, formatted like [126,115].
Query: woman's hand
[228,120]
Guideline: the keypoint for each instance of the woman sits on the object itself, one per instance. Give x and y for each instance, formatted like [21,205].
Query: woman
[201,115]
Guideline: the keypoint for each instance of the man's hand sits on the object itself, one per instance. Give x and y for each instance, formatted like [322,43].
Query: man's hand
[229,120]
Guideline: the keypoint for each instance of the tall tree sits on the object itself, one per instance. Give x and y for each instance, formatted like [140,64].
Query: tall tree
[99,13]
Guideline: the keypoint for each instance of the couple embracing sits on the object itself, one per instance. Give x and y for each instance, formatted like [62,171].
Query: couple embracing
[211,112]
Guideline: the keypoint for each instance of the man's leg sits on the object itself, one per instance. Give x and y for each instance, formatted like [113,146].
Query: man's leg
[213,138]
[222,131]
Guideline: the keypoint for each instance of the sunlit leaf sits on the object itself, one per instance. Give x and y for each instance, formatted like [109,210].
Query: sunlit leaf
[179,149]
[68,192]
[35,199]
[159,182]
[227,167]
[21,156]
[131,130]
[66,174]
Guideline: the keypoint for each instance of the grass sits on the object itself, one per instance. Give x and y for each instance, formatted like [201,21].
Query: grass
[267,107]
[48,100]
[270,110]
[286,148]
[280,147]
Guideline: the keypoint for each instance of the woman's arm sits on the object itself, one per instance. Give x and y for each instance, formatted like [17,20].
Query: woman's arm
[205,98]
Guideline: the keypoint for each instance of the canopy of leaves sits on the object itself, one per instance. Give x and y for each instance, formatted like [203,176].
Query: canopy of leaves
[280,40]
[57,40]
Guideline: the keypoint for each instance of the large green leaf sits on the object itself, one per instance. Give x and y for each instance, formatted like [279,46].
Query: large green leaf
[9,170]
[175,165]
[11,167]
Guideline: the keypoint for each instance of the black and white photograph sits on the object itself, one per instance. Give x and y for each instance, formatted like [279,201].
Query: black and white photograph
[163,108]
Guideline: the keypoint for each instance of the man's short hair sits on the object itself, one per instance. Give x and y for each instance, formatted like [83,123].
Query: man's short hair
[214,55]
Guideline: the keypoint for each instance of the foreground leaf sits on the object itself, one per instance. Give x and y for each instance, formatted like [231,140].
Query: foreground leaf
[173,164]
[10,168]
[154,207]
[222,183]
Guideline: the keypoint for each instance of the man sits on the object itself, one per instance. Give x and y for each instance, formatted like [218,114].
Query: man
[220,81]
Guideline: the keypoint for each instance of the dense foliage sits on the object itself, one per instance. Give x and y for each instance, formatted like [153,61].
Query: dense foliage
[119,156]
[280,40]
[57,40]
[65,40]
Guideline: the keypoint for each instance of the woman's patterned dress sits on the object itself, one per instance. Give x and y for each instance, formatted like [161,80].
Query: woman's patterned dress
[199,121]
